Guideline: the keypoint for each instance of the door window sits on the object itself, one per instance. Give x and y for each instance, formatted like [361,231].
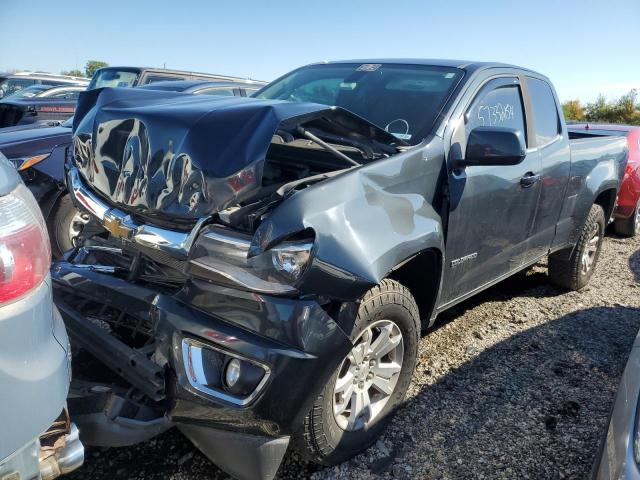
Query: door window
[497,107]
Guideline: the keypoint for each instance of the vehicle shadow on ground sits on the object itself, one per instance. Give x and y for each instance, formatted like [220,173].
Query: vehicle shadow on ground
[531,283]
[531,406]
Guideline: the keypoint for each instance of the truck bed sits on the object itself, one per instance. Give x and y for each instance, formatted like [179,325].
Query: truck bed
[585,147]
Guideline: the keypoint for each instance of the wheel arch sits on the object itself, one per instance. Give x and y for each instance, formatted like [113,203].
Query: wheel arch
[422,275]
[606,198]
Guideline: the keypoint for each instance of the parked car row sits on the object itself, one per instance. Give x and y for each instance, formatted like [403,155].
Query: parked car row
[11,83]
[35,99]
[257,271]
[39,155]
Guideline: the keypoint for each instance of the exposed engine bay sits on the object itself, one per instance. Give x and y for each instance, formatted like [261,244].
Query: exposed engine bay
[219,155]
[168,196]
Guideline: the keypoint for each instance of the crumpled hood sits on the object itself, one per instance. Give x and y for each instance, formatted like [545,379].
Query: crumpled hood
[186,156]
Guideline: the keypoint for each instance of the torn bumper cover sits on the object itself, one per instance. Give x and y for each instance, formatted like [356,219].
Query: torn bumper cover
[285,348]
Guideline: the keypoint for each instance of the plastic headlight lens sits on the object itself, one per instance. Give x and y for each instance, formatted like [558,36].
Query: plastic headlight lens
[291,259]
[222,256]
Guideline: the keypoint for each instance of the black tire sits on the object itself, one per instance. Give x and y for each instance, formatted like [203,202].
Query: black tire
[628,227]
[59,224]
[321,439]
[566,266]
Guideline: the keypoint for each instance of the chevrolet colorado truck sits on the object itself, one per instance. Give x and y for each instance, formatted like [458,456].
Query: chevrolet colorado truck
[258,271]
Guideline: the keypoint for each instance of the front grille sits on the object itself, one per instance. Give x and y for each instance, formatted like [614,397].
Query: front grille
[135,332]
[10,115]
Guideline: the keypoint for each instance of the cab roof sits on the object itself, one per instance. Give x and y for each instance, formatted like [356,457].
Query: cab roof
[467,65]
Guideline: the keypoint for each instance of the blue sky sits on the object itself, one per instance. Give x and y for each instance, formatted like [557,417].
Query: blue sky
[586,47]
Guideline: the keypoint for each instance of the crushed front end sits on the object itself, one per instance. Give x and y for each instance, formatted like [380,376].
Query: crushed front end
[236,371]
[181,310]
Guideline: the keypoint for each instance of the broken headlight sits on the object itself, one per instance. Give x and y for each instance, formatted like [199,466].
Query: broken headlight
[222,255]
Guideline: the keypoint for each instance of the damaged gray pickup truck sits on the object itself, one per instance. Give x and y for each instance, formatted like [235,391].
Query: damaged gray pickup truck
[257,271]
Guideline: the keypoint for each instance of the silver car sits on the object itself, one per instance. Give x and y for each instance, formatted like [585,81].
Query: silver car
[37,440]
[619,456]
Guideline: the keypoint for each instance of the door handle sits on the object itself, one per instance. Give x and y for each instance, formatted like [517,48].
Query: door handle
[529,179]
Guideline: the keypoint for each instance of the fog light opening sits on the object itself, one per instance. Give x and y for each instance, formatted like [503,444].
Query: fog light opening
[222,374]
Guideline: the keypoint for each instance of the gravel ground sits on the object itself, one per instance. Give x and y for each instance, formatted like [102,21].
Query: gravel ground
[515,383]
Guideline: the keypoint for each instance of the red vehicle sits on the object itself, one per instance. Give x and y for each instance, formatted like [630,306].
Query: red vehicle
[627,213]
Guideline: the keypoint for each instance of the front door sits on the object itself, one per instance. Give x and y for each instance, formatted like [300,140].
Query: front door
[492,208]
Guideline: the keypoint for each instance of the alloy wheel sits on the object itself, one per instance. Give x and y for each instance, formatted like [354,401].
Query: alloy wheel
[368,376]
[79,220]
[589,254]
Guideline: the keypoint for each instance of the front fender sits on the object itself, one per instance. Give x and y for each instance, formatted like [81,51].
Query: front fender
[366,221]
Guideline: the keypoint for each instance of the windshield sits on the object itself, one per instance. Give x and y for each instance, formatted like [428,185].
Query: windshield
[27,92]
[404,100]
[112,77]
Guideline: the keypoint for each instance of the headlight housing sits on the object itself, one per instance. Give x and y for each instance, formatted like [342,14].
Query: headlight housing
[222,255]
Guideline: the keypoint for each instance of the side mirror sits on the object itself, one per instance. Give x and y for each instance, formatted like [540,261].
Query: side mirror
[494,146]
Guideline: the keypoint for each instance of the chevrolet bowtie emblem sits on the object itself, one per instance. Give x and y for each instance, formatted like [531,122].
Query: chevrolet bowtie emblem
[116,227]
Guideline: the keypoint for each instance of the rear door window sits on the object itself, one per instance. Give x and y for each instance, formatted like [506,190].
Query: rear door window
[545,111]
[66,94]
[159,78]
[109,77]
[225,92]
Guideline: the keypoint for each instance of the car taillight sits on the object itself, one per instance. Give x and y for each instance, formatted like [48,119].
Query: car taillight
[25,253]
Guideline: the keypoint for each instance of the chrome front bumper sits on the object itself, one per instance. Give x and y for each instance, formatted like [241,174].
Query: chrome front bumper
[120,224]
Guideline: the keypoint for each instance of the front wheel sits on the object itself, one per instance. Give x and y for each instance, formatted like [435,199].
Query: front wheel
[65,225]
[572,268]
[629,227]
[356,404]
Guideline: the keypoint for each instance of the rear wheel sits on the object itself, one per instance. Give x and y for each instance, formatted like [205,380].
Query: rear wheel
[572,268]
[65,225]
[629,227]
[356,404]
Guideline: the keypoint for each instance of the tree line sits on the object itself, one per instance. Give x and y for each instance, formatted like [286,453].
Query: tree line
[89,69]
[625,109]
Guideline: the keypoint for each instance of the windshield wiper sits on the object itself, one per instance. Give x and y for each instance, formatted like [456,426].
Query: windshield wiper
[325,145]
